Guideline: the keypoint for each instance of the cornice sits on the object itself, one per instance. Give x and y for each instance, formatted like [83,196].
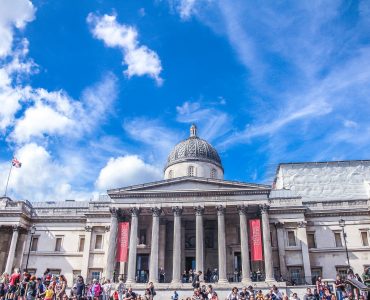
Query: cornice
[170,194]
[338,213]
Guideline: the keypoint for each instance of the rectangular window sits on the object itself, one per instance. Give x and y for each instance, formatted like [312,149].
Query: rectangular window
[32,271]
[365,238]
[55,272]
[34,242]
[81,244]
[75,274]
[58,243]
[95,274]
[99,241]
[311,240]
[296,275]
[338,239]
[315,272]
[291,239]
[342,272]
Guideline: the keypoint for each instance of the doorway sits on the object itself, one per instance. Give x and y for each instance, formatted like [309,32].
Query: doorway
[142,268]
[189,263]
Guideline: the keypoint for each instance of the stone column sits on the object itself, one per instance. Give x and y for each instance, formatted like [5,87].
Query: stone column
[112,246]
[162,243]
[199,240]
[131,272]
[244,248]
[11,254]
[86,253]
[302,237]
[281,249]
[176,266]
[153,267]
[222,277]
[269,268]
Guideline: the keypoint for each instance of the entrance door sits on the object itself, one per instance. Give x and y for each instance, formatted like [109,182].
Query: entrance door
[189,263]
[142,268]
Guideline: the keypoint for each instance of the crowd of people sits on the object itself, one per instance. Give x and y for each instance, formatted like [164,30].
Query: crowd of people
[25,286]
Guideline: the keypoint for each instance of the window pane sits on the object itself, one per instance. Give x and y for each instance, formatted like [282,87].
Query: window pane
[81,244]
[311,240]
[365,238]
[58,244]
[338,239]
[291,238]
[35,241]
[99,241]
[191,171]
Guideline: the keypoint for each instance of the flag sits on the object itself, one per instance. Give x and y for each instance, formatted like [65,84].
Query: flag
[16,163]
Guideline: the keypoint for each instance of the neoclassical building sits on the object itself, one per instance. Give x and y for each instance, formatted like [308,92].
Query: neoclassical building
[313,220]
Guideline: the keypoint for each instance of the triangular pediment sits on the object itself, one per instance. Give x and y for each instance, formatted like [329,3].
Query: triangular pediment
[189,184]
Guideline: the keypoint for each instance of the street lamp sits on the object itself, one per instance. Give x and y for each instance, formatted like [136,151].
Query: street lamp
[32,232]
[342,223]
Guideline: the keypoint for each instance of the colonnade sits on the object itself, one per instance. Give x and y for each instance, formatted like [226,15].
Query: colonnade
[177,249]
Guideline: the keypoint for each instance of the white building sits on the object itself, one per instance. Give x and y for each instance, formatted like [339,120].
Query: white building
[196,219]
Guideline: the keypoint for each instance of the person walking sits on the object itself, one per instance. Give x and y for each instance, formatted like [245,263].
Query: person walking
[31,288]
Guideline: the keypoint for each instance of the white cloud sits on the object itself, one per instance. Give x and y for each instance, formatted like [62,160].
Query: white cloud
[56,114]
[140,60]
[13,14]
[41,177]
[126,170]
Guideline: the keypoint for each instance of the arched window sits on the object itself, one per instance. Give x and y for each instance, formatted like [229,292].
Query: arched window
[213,173]
[191,171]
[170,174]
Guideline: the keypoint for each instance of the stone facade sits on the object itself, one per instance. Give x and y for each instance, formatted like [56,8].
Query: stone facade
[201,223]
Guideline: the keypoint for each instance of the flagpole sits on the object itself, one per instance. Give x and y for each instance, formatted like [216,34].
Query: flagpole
[7,182]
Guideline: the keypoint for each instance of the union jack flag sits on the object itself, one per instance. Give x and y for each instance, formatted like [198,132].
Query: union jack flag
[16,163]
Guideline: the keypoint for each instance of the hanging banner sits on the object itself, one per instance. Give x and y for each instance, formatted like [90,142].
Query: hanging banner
[255,239]
[122,241]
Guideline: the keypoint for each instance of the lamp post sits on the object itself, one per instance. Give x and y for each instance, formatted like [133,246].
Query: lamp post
[32,232]
[342,223]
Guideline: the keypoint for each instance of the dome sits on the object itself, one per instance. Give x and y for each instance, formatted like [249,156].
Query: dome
[194,149]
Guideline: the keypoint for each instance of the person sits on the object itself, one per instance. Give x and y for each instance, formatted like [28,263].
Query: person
[366,279]
[209,275]
[234,294]
[151,290]
[130,295]
[190,276]
[175,296]
[214,296]
[197,295]
[320,287]
[275,292]
[294,297]
[244,294]
[259,295]
[162,275]
[49,293]
[236,275]
[96,289]
[339,287]
[60,287]
[327,294]
[13,283]
[107,288]
[31,288]
[196,280]
[147,295]
[40,288]
[121,288]
[115,295]
[259,275]
[80,287]
[209,292]
[309,295]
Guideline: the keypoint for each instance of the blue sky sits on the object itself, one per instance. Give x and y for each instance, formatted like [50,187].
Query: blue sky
[94,94]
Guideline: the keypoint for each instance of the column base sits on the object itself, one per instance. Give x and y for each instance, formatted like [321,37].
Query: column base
[222,281]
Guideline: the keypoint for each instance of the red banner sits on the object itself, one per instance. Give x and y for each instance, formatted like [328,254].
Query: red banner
[122,241]
[255,239]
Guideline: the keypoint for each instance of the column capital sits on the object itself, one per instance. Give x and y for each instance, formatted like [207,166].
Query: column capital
[107,228]
[113,211]
[16,228]
[264,208]
[156,211]
[279,225]
[88,228]
[220,210]
[199,210]
[135,211]
[302,224]
[242,209]
[177,211]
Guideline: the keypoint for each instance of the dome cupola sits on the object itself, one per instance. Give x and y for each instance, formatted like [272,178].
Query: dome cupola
[193,157]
